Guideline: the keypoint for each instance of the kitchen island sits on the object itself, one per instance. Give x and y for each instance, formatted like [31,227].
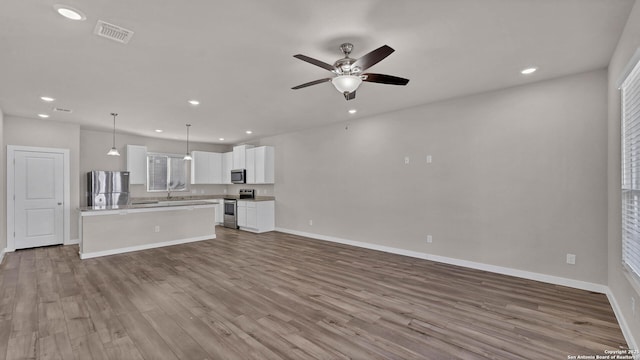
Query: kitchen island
[115,230]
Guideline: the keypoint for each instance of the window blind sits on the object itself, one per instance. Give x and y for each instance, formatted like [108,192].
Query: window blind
[166,173]
[631,170]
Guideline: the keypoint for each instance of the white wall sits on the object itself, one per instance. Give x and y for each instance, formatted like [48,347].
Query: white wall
[95,144]
[619,284]
[518,178]
[46,133]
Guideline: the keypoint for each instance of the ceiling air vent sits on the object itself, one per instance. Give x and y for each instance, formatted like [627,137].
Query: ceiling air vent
[57,109]
[113,32]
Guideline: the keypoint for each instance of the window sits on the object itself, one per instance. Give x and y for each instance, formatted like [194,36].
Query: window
[631,170]
[166,173]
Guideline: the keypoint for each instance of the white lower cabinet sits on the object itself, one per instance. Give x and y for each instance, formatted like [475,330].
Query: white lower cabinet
[241,214]
[256,216]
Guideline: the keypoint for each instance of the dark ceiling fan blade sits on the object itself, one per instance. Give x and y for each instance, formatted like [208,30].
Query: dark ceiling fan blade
[384,79]
[373,57]
[315,62]
[349,95]
[315,82]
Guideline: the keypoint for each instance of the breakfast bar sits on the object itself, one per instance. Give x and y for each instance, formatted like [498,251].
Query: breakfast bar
[115,230]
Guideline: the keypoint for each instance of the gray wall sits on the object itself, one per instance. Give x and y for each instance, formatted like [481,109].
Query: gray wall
[45,133]
[619,284]
[3,191]
[95,144]
[518,178]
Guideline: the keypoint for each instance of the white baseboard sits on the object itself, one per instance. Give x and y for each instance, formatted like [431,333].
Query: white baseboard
[624,326]
[556,280]
[72,242]
[144,247]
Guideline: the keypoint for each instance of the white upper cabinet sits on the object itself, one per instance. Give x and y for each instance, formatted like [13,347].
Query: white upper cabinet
[264,165]
[250,163]
[206,167]
[239,155]
[137,164]
[260,165]
[227,166]
[215,168]
[199,167]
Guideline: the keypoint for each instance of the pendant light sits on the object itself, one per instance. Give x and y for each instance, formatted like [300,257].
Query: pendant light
[114,151]
[187,157]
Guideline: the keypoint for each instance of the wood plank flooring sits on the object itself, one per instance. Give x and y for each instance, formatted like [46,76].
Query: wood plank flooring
[279,296]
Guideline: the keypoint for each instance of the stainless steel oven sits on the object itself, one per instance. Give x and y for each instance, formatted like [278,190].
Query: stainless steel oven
[230,213]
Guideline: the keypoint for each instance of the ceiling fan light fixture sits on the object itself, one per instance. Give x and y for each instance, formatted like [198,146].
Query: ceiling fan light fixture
[346,83]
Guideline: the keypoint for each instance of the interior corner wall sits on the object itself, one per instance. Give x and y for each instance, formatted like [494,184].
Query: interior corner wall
[620,284]
[44,133]
[517,180]
[3,189]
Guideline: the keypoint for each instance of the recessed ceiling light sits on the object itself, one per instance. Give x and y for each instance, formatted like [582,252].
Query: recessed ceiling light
[221,139]
[47,98]
[528,71]
[249,132]
[353,111]
[44,116]
[194,102]
[158,130]
[69,12]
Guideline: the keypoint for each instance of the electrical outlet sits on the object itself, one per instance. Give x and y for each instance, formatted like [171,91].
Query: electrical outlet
[310,222]
[406,160]
[157,228]
[429,159]
[571,259]
[429,239]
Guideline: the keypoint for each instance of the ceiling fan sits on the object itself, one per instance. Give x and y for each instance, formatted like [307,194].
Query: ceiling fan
[348,71]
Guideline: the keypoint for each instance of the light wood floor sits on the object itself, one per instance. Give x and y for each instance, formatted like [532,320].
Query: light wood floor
[279,296]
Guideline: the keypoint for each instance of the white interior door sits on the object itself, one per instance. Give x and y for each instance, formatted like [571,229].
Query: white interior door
[39,193]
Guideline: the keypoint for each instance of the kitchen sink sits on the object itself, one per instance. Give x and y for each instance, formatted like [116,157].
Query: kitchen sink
[144,202]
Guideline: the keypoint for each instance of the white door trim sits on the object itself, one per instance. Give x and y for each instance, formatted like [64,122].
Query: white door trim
[11,153]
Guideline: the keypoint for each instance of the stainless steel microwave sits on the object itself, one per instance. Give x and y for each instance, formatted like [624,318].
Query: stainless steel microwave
[239,176]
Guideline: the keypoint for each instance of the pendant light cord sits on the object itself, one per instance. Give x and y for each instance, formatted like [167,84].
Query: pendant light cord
[114,128]
[188,126]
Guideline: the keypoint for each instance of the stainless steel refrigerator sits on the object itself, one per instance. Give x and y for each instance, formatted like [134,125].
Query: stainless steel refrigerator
[107,188]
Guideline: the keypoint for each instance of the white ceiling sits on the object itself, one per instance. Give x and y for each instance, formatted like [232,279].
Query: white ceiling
[236,57]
